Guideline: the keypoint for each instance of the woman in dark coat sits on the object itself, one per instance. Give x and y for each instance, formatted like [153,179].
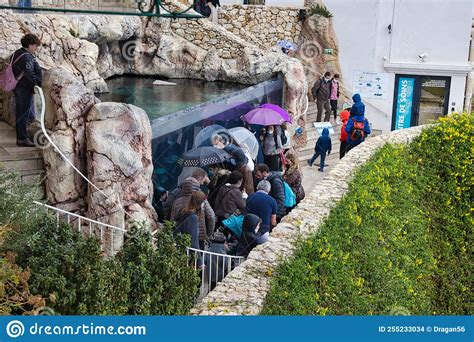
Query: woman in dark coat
[28,73]
[188,220]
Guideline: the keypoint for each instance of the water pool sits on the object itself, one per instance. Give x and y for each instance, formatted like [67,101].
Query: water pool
[159,101]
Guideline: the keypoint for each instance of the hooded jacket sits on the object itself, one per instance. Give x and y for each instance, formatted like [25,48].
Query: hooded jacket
[358,108]
[357,114]
[277,191]
[207,218]
[344,118]
[324,143]
[248,239]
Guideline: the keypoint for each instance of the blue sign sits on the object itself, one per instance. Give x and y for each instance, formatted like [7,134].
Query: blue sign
[406,87]
[237,329]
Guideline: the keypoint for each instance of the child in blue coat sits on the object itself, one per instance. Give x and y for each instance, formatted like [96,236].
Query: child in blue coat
[323,146]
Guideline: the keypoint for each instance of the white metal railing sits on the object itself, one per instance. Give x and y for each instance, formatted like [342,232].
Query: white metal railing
[88,226]
[214,267]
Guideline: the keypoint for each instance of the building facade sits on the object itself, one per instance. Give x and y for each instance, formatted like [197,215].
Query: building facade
[408,59]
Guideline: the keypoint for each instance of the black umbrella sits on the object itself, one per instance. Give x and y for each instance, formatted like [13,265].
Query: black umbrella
[203,156]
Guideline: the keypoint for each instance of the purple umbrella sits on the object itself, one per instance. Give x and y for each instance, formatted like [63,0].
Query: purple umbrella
[264,117]
[284,114]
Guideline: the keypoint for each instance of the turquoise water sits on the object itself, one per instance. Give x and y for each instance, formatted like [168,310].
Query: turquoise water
[159,101]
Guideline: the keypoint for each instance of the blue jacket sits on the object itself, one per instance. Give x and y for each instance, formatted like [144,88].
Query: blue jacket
[358,108]
[350,125]
[324,143]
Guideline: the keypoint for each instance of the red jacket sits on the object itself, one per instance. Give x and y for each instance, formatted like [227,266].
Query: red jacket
[344,118]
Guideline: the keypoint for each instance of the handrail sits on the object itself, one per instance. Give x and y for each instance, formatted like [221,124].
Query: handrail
[216,254]
[79,216]
[216,265]
[45,132]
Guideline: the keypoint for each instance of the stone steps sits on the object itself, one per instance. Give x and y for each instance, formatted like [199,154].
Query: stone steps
[28,161]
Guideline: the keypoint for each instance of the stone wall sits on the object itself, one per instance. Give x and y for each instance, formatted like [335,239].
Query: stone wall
[114,5]
[243,291]
[264,25]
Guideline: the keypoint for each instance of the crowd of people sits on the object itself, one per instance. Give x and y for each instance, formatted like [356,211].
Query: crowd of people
[234,204]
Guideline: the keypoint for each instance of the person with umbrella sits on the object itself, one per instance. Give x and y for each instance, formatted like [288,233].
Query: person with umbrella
[272,147]
[238,160]
[238,155]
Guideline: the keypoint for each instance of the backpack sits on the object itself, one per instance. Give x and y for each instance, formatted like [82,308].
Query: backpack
[8,81]
[290,197]
[358,133]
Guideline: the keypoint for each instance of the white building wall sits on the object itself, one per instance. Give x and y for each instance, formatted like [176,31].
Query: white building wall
[439,28]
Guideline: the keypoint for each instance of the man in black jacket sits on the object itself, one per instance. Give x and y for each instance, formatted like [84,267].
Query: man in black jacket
[321,92]
[28,73]
[278,190]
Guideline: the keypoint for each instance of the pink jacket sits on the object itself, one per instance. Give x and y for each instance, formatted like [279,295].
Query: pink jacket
[334,90]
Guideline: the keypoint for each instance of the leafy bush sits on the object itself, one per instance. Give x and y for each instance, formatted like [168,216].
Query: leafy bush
[320,10]
[161,284]
[70,271]
[401,239]
[66,267]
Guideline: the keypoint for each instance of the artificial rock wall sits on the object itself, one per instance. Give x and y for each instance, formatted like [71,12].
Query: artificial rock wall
[243,291]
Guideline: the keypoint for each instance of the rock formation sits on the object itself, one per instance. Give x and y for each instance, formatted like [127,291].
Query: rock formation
[67,101]
[316,36]
[119,164]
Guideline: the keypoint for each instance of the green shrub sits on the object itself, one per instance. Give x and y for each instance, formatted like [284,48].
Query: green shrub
[320,10]
[400,240]
[159,285]
[65,266]
[70,271]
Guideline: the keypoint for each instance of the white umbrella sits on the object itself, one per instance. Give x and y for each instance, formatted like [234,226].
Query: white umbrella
[246,140]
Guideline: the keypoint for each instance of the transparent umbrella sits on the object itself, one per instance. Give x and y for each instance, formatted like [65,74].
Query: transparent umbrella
[246,140]
[203,138]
